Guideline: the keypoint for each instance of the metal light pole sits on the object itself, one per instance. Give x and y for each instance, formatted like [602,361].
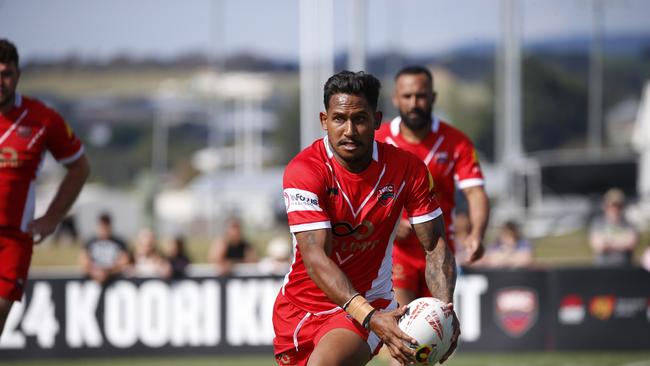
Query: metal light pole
[595,128]
[316,63]
[357,43]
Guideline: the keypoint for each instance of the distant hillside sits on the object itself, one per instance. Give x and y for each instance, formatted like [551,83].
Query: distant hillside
[628,44]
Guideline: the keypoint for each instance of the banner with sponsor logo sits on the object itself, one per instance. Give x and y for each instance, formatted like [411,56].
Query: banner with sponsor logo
[502,310]
[600,308]
[499,310]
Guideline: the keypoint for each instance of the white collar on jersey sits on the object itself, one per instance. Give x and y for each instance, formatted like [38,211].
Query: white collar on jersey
[375,153]
[19,100]
[394,124]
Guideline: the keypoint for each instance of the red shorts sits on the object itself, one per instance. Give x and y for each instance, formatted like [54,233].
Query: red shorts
[15,257]
[297,332]
[409,266]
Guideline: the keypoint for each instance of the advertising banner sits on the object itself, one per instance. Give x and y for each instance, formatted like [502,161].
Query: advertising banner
[502,310]
[499,310]
[600,309]
[73,317]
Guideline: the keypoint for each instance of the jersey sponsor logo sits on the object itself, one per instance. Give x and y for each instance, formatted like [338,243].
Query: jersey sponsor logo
[360,232]
[9,158]
[386,194]
[516,310]
[300,200]
[24,131]
[344,231]
[441,157]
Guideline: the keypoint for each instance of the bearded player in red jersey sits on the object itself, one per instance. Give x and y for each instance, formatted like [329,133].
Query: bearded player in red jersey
[344,196]
[452,161]
[27,130]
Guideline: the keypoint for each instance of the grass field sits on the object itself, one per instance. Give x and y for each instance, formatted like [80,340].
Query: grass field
[467,359]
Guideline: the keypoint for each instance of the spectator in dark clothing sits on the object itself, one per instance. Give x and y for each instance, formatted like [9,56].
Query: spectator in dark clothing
[231,248]
[177,257]
[104,256]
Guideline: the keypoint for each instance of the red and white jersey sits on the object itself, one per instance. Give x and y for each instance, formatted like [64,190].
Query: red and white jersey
[27,131]
[450,157]
[361,209]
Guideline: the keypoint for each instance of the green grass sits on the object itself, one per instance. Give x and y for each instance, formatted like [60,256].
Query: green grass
[465,359]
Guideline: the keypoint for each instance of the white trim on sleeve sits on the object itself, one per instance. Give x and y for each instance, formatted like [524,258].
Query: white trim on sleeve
[472,182]
[424,218]
[310,226]
[73,157]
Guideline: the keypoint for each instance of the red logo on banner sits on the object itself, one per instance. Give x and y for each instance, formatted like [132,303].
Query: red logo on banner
[572,310]
[602,307]
[516,310]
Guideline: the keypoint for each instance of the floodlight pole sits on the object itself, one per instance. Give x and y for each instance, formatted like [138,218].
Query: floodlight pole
[316,63]
[595,128]
[508,139]
[357,43]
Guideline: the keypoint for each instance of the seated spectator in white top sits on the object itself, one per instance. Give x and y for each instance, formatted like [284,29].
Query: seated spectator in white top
[147,262]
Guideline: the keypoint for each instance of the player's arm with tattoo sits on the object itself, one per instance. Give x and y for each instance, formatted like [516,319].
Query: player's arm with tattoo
[440,272]
[441,266]
[315,247]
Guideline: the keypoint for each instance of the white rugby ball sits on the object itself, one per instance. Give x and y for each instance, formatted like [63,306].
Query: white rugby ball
[431,324]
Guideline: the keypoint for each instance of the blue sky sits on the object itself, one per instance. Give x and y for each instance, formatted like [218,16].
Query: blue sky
[101,29]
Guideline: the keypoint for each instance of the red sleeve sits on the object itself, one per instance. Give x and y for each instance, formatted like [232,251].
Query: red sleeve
[421,204]
[60,140]
[468,170]
[305,197]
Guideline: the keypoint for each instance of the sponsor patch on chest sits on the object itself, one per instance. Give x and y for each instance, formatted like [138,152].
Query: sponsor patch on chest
[386,194]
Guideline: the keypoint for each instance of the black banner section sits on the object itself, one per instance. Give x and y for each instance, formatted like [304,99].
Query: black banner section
[601,309]
[564,309]
[69,317]
[502,310]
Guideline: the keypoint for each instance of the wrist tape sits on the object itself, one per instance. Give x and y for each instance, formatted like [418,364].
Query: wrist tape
[359,308]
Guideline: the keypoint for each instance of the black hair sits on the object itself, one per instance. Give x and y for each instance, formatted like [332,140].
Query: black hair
[354,83]
[512,226]
[415,70]
[105,218]
[8,52]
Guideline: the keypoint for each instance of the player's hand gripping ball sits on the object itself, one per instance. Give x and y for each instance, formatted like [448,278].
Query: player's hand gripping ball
[430,322]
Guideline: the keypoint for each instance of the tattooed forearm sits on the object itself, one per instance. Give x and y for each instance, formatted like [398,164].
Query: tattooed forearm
[440,271]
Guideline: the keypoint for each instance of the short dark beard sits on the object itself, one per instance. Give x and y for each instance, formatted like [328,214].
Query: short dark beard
[8,102]
[422,121]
